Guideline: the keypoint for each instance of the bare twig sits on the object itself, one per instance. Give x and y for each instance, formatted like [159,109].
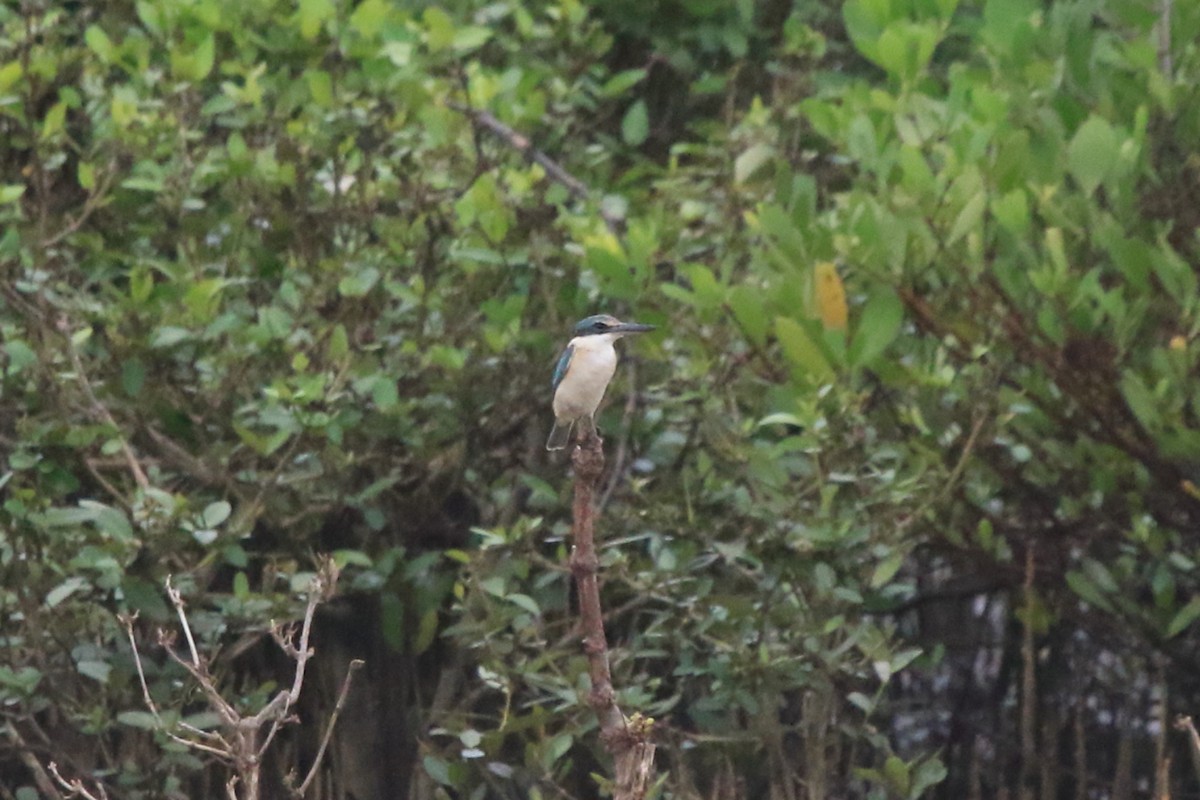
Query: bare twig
[177,601]
[277,710]
[1163,29]
[577,188]
[75,788]
[44,784]
[622,441]
[243,746]
[627,740]
[1028,686]
[355,665]
[215,744]
[1184,723]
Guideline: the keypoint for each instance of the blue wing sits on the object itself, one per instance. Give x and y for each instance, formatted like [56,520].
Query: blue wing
[564,362]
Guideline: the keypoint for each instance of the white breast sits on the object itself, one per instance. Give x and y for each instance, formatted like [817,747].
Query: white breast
[582,388]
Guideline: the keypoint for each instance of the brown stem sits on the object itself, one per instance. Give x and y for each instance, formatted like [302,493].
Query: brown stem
[355,665]
[521,144]
[1028,688]
[628,741]
[1184,723]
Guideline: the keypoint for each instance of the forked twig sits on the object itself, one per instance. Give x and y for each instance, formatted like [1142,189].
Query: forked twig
[243,745]
[75,787]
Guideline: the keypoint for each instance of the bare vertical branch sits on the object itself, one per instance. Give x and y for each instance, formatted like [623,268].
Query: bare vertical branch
[1162,757]
[1163,31]
[1080,756]
[1184,723]
[355,665]
[627,740]
[1029,755]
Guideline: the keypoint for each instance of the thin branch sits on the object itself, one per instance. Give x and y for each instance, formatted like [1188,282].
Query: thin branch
[577,188]
[355,665]
[76,787]
[622,441]
[627,740]
[220,747]
[276,710]
[1163,29]
[99,409]
[1184,723]
[89,206]
[44,784]
[177,601]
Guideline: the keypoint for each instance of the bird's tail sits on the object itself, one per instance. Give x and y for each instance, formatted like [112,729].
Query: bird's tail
[560,436]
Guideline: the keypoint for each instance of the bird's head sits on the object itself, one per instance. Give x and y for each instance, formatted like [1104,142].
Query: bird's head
[605,324]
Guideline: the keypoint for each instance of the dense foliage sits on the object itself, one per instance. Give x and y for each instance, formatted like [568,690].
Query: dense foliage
[903,493]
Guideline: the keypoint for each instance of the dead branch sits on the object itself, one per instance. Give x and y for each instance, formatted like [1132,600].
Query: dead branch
[1184,723]
[355,665]
[627,740]
[242,745]
[577,188]
[75,788]
[40,777]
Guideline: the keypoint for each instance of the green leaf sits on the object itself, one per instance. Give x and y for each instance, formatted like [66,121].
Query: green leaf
[878,327]
[358,283]
[635,126]
[928,773]
[886,570]
[897,774]
[99,43]
[1012,211]
[427,630]
[133,377]
[558,747]
[169,336]
[1141,401]
[312,16]
[10,73]
[65,590]
[746,303]
[802,350]
[96,670]
[470,38]
[1184,618]
[138,719]
[216,513]
[437,769]
[1006,20]
[1092,153]
[969,217]
[751,161]
[54,120]
[369,17]
[11,193]
[525,602]
[20,355]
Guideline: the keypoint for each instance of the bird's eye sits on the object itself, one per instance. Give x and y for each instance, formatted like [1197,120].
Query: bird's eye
[599,325]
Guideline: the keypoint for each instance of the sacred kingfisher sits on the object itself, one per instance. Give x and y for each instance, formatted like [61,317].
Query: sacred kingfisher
[583,373]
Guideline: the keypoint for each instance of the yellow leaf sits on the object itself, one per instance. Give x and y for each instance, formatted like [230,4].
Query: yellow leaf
[831,296]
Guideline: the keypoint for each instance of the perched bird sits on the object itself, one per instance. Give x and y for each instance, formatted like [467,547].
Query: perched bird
[583,373]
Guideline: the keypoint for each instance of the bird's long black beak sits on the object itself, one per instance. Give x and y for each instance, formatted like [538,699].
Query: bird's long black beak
[632,327]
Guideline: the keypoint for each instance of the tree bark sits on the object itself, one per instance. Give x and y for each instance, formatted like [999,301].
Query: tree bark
[627,740]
